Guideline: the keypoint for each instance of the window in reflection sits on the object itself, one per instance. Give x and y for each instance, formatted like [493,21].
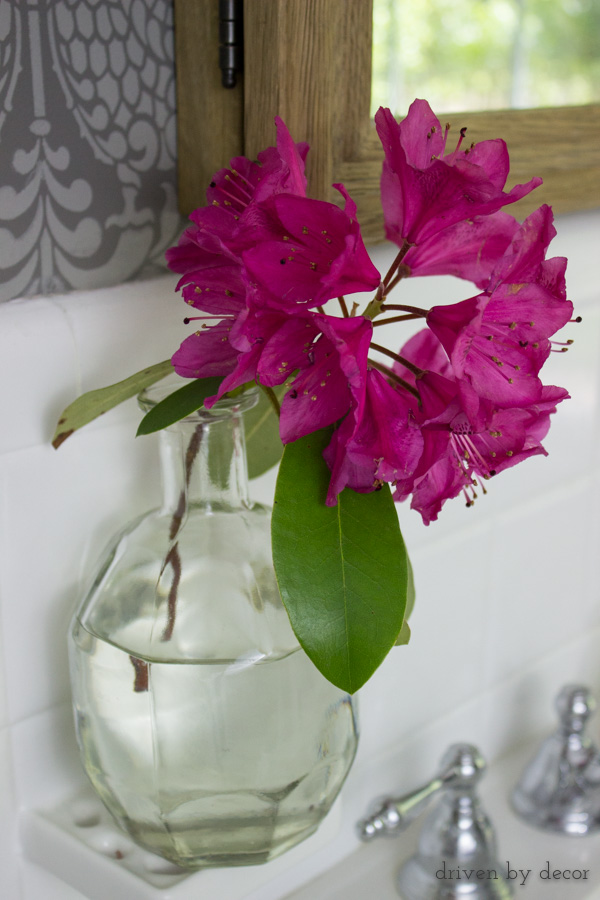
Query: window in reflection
[485,54]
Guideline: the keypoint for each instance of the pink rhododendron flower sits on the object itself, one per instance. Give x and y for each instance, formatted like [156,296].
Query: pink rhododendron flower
[498,341]
[308,251]
[325,390]
[470,249]
[327,354]
[424,188]
[464,399]
[231,263]
[460,451]
[378,442]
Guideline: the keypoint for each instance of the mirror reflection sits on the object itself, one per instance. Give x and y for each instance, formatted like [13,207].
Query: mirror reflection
[485,54]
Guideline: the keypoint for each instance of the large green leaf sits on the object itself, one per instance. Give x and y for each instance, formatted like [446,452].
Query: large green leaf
[404,636]
[94,403]
[342,571]
[262,434]
[181,403]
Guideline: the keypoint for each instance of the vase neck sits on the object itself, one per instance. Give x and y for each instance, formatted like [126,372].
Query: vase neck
[204,464]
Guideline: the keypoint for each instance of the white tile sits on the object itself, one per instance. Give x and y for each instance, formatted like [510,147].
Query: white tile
[577,235]
[538,595]
[3,695]
[46,759]
[592,556]
[61,508]
[9,879]
[523,706]
[37,370]
[38,884]
[126,328]
[441,667]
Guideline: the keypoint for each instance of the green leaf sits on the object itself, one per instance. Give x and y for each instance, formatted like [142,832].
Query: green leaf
[94,403]
[181,403]
[410,591]
[404,636]
[342,571]
[262,434]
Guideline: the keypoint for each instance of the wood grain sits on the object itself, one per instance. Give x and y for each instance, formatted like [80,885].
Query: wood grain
[209,116]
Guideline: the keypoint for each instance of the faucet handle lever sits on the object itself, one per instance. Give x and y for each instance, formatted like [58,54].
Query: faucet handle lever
[559,789]
[574,705]
[461,767]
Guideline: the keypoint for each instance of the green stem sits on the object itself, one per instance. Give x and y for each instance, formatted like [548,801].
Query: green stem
[273,398]
[374,306]
[396,319]
[342,302]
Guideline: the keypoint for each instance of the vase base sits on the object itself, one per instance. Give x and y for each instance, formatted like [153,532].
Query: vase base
[224,844]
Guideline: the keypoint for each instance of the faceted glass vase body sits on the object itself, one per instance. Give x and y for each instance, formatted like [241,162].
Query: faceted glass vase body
[202,725]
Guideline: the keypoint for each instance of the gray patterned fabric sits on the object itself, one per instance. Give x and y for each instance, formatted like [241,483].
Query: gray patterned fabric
[87,143]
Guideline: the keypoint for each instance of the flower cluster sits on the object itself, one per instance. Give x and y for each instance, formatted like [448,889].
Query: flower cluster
[462,399]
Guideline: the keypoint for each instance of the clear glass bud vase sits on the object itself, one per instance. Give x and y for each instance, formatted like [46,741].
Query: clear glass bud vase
[202,725]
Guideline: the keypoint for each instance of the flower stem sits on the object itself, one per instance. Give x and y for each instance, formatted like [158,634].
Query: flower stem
[374,306]
[342,302]
[396,319]
[399,257]
[400,359]
[403,272]
[272,397]
[416,310]
[393,377]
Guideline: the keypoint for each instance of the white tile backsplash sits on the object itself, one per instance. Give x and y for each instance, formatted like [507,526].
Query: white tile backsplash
[9,873]
[37,371]
[508,605]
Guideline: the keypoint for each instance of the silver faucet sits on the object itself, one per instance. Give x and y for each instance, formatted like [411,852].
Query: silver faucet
[456,856]
[560,788]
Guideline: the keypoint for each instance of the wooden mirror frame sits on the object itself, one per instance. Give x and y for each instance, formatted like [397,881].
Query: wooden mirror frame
[309,61]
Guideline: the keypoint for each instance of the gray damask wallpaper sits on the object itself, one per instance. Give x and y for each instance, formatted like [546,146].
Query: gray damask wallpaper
[87,143]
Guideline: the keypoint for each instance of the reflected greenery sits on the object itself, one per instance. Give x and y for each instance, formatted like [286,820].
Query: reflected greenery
[486,54]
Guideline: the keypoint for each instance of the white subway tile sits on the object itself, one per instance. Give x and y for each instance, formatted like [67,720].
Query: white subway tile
[39,884]
[538,594]
[46,759]
[3,694]
[523,706]
[9,877]
[440,669]
[121,330]
[38,371]
[60,510]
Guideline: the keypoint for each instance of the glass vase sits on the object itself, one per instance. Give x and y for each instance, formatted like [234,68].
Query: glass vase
[202,725]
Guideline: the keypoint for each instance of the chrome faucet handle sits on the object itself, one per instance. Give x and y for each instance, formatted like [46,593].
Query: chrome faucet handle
[560,787]
[457,837]
[462,764]
[574,705]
